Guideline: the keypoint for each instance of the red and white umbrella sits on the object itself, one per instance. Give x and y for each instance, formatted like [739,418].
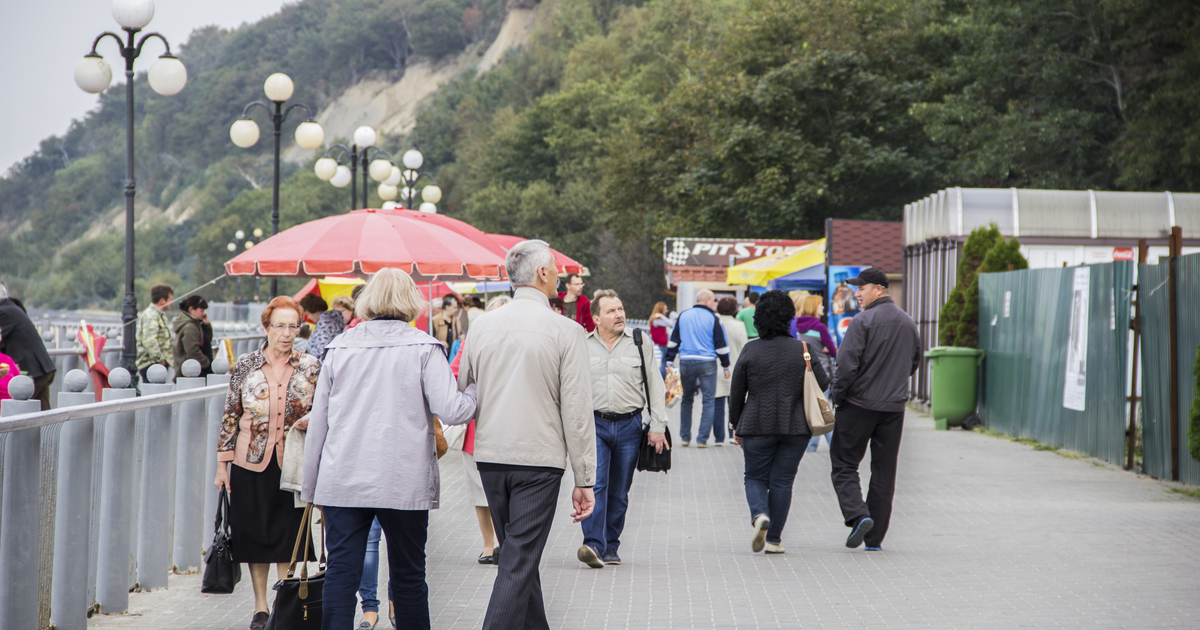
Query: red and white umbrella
[362,242]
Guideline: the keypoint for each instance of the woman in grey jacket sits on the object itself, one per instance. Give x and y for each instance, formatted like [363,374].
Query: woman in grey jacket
[370,452]
[766,410]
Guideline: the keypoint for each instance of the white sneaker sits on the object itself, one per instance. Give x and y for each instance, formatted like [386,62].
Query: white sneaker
[702,445]
[719,444]
[761,524]
[773,548]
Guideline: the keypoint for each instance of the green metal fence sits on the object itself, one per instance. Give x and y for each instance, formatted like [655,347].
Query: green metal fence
[1156,347]
[1026,326]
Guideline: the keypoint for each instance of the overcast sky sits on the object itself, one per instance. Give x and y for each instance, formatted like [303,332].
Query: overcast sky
[44,39]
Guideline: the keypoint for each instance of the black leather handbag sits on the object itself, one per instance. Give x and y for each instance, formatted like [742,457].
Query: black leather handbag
[648,460]
[221,573]
[298,599]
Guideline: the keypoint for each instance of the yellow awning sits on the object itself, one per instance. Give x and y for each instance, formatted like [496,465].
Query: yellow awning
[760,271]
[332,286]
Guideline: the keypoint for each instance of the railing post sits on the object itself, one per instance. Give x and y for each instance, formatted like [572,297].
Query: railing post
[20,512]
[154,509]
[72,516]
[214,411]
[189,472]
[116,501]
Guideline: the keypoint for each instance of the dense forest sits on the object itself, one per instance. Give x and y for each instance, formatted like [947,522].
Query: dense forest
[622,122]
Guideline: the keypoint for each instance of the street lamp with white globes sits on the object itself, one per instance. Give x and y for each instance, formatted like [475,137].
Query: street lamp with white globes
[332,170]
[233,247]
[309,135]
[167,76]
[430,194]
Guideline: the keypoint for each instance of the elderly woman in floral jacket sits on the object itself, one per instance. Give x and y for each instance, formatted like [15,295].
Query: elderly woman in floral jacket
[270,390]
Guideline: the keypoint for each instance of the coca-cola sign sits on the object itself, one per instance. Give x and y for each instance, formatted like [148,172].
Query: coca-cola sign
[1122,253]
[716,252]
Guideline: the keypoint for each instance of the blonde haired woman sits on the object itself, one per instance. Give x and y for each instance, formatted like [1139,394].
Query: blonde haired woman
[370,453]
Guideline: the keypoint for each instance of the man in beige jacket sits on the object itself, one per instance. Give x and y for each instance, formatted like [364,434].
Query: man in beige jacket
[535,409]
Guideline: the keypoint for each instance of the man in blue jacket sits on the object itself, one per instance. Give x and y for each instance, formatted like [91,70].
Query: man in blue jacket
[699,342]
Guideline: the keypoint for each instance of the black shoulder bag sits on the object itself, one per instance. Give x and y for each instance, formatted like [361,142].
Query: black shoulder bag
[648,459]
[298,600]
[221,573]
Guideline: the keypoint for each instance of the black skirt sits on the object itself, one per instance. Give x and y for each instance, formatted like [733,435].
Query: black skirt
[263,520]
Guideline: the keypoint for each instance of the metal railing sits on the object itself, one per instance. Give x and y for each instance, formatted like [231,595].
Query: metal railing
[100,499]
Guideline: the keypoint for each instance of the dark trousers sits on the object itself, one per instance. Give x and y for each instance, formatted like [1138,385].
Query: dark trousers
[406,532]
[41,389]
[522,504]
[855,428]
[771,465]
[617,447]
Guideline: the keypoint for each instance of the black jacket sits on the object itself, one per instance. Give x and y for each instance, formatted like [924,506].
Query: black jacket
[19,339]
[880,351]
[766,395]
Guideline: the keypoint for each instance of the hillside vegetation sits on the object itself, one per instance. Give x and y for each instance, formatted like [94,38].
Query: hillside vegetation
[620,123]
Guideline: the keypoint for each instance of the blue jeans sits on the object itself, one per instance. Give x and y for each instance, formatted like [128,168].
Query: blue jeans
[771,465]
[348,530]
[370,580]
[662,361]
[718,427]
[812,444]
[617,446]
[695,375]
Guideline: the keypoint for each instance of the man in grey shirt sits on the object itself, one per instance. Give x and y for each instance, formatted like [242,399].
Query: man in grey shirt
[622,373]
[535,408]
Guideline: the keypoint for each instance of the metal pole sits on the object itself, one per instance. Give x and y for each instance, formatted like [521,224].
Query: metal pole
[277,119]
[364,176]
[1136,326]
[1176,242]
[129,303]
[20,513]
[353,177]
[154,510]
[72,516]
[214,413]
[116,505]
[189,481]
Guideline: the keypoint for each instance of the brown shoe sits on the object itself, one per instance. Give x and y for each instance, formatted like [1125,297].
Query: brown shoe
[259,620]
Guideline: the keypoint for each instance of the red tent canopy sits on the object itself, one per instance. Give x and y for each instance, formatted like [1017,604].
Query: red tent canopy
[362,242]
[565,263]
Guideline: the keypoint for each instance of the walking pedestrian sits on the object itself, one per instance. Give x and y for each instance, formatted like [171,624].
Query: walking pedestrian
[879,352]
[191,329]
[154,331]
[735,336]
[575,304]
[746,315]
[535,408]
[766,409]
[659,325]
[446,326]
[330,324]
[270,390]
[369,452]
[809,328]
[699,341]
[19,340]
[622,370]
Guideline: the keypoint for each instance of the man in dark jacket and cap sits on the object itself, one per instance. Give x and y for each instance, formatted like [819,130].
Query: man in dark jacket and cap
[880,351]
[19,339]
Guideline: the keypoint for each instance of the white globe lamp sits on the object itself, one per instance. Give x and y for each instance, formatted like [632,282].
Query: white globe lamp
[364,136]
[231,247]
[168,75]
[429,207]
[244,133]
[258,232]
[389,205]
[394,178]
[387,192]
[326,168]
[309,135]
[380,170]
[413,159]
[133,14]
[239,235]
[342,178]
[92,74]
[406,195]
[279,87]
[431,193]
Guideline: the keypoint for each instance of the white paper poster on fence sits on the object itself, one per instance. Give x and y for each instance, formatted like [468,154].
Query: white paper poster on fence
[1075,387]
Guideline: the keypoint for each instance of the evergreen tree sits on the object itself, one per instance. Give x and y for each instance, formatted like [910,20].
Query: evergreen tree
[1002,257]
[979,243]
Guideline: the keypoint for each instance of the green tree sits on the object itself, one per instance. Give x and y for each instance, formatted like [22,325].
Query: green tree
[979,242]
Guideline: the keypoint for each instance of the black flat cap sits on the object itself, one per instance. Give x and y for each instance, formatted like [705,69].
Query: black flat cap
[870,275]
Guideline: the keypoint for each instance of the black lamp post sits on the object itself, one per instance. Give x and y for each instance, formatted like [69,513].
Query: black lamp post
[244,133]
[256,237]
[167,77]
[332,170]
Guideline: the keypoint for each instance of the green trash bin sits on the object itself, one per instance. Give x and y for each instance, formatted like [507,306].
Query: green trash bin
[953,385]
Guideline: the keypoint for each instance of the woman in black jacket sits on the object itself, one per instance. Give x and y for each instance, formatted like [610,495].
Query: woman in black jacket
[766,412]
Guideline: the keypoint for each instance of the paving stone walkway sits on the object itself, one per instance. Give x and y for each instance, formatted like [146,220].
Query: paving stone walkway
[986,533]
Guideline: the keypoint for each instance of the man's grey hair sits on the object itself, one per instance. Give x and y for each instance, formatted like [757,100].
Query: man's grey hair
[601,294]
[3,291]
[524,260]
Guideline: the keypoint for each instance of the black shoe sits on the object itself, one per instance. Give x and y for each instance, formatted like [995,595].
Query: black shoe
[588,556]
[610,557]
[487,558]
[860,530]
[259,620]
